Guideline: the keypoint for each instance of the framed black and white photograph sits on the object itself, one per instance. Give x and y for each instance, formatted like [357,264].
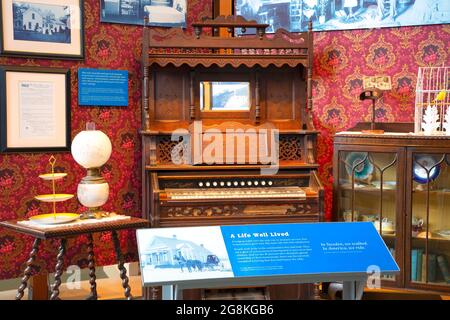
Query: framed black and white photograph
[42,28]
[34,109]
[163,13]
[179,254]
[293,15]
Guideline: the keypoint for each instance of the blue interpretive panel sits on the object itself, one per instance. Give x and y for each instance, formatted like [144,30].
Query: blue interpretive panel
[102,87]
[195,253]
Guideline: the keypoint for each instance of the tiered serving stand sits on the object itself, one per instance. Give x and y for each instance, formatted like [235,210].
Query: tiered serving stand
[54,218]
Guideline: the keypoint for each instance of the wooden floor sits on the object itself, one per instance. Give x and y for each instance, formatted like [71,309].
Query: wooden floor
[110,288]
[392,294]
[107,289]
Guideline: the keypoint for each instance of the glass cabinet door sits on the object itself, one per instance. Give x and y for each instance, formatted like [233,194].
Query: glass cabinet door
[367,188]
[429,221]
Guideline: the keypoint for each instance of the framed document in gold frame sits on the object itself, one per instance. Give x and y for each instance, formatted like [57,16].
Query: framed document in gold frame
[34,109]
[42,28]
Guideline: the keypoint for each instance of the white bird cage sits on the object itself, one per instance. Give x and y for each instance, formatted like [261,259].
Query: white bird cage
[432,94]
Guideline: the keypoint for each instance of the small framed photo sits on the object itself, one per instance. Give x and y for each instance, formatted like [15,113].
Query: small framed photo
[42,28]
[162,13]
[34,109]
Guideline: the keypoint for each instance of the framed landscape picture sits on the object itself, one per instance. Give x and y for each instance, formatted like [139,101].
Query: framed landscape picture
[293,15]
[42,28]
[163,13]
[34,109]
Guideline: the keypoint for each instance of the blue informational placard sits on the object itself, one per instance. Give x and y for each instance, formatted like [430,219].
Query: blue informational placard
[183,254]
[287,249]
[102,87]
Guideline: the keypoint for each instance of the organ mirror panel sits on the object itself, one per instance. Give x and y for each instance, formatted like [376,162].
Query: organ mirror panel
[224,96]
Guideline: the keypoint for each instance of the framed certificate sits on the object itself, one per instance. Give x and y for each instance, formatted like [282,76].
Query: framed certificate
[34,109]
[42,28]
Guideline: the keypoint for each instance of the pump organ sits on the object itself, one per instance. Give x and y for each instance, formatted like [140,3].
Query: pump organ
[190,78]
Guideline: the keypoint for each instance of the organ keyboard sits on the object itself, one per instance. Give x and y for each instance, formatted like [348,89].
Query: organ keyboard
[238,193]
[215,196]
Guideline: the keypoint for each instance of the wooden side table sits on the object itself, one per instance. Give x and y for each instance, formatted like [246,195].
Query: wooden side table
[65,232]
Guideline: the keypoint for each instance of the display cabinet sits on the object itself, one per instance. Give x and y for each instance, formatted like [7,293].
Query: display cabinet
[400,182]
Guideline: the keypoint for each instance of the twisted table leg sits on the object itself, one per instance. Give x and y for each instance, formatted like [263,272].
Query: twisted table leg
[59,270]
[123,270]
[28,269]
[91,265]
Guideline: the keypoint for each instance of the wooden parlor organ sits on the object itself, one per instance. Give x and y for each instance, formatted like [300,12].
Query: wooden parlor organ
[197,84]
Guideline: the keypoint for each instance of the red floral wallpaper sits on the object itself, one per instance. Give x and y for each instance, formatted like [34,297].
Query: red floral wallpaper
[341,59]
[109,46]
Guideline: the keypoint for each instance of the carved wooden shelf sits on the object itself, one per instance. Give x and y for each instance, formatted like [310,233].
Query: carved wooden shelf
[229,21]
[230,167]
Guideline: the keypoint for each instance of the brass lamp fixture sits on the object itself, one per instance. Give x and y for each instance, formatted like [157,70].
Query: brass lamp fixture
[91,149]
[374,87]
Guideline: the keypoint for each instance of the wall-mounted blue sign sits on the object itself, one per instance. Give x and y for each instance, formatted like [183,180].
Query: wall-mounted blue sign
[177,254]
[102,87]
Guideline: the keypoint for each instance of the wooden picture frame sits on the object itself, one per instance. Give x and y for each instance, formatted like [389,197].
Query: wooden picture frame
[34,109]
[42,28]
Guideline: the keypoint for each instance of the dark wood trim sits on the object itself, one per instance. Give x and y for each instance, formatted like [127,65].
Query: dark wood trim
[38,288]
[225,21]
[1,30]
[176,38]
[386,126]
[168,132]
[132,223]
[298,166]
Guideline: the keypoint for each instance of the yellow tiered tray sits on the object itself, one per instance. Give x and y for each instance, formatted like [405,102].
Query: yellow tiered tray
[58,197]
[52,176]
[52,218]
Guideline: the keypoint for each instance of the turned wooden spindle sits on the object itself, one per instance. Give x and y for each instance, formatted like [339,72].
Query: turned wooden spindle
[257,99]
[191,95]
[317,292]
[155,293]
[91,265]
[122,269]
[146,99]
[197,31]
[58,269]
[310,75]
[28,269]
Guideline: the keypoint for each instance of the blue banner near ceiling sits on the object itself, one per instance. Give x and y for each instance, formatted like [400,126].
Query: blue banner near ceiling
[98,87]
[293,15]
